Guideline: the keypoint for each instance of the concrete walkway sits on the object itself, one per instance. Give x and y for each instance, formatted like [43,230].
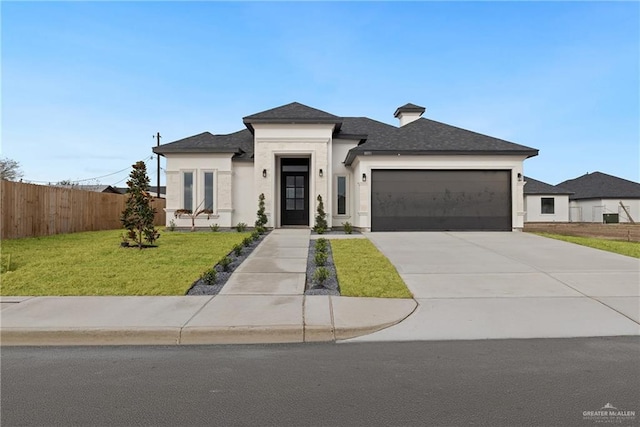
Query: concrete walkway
[263,302]
[510,285]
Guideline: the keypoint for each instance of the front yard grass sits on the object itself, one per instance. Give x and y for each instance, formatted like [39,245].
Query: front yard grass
[93,263]
[631,249]
[364,272]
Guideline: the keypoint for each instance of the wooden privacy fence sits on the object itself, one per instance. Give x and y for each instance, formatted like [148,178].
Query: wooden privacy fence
[29,210]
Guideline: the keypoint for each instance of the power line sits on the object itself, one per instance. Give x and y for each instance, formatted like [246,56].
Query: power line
[76,181]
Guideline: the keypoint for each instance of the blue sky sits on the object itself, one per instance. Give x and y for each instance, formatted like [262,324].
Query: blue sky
[85,85]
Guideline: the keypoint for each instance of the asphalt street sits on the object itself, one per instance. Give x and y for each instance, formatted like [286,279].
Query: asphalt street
[537,382]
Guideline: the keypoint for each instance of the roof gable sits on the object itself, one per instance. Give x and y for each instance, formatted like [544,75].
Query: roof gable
[239,143]
[533,186]
[598,185]
[291,113]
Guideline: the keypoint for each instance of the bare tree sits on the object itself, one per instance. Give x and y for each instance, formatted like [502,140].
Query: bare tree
[10,169]
[193,214]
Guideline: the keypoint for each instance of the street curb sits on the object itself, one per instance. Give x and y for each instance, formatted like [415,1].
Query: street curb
[89,336]
[241,335]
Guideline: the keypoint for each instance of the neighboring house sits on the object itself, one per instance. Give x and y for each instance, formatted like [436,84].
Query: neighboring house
[153,189]
[422,175]
[598,197]
[545,202]
[94,188]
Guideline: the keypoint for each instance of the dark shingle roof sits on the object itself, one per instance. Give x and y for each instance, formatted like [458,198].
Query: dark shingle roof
[533,186]
[240,143]
[420,137]
[291,113]
[152,189]
[598,185]
[425,136]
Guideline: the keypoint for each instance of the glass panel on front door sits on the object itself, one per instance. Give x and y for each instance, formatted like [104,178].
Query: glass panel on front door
[295,193]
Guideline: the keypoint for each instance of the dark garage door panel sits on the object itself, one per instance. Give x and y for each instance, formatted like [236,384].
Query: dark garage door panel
[434,200]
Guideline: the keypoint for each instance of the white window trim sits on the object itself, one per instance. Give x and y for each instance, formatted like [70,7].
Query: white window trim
[193,191]
[334,198]
[215,189]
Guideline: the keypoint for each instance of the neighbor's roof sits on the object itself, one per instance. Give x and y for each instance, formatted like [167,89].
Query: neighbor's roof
[598,185]
[533,186]
[93,188]
[421,137]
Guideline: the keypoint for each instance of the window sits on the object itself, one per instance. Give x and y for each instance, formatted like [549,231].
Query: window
[547,205]
[341,194]
[187,190]
[208,190]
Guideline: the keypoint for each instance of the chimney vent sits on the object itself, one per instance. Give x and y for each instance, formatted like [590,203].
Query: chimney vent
[408,113]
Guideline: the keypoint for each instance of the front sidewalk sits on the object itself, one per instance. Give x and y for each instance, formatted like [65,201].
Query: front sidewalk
[263,302]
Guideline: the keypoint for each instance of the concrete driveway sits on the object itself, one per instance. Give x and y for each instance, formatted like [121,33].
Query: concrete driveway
[477,285]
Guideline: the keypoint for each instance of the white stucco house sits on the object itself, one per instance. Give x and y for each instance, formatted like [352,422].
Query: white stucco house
[598,197]
[419,175]
[545,202]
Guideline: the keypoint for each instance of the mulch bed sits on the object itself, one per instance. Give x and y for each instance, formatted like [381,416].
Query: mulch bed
[329,286]
[200,288]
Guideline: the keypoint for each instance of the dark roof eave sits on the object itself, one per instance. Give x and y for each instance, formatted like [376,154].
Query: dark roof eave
[542,193]
[163,150]
[602,197]
[351,155]
[248,122]
[350,136]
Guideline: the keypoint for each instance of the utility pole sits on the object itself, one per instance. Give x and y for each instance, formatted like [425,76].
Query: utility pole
[158,156]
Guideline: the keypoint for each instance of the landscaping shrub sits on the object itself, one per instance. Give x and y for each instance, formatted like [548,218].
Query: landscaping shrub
[321,217]
[321,275]
[262,220]
[255,235]
[247,241]
[225,263]
[209,276]
[322,245]
[320,258]
[214,227]
[241,227]
[172,225]
[348,227]
[237,249]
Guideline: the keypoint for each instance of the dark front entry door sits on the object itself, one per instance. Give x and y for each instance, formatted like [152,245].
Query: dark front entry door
[295,192]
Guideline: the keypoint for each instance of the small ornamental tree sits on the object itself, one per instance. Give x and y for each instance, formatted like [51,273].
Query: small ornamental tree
[262,216]
[138,214]
[321,217]
[193,215]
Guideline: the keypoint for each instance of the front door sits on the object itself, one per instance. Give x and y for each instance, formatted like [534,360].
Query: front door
[295,191]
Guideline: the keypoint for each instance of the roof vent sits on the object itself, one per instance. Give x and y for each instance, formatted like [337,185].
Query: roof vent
[409,113]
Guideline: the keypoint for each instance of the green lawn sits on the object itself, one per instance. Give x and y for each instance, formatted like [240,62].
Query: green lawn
[631,249]
[93,263]
[364,272]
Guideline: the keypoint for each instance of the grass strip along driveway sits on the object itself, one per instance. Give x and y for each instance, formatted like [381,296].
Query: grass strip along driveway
[631,249]
[365,272]
[93,263]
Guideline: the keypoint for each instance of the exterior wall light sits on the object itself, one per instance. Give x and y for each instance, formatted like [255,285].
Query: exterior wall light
[364,177]
[264,173]
[519,176]
[321,173]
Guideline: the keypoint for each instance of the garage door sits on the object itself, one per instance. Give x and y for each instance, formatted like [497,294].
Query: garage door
[437,200]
